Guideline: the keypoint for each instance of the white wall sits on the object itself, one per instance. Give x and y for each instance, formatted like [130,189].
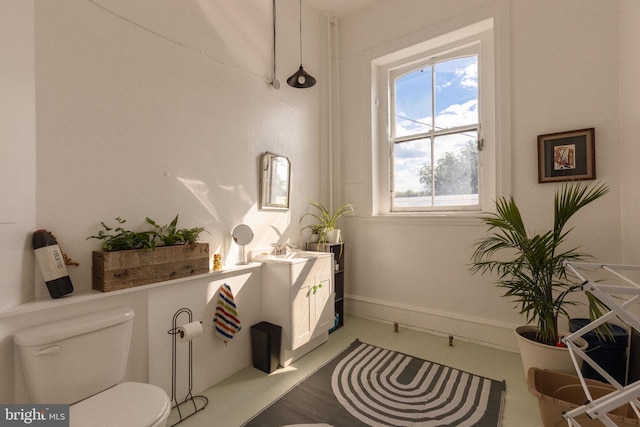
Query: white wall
[148,109]
[131,124]
[18,147]
[629,15]
[213,359]
[563,76]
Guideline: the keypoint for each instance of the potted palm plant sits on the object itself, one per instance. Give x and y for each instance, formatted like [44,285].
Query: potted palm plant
[326,222]
[530,266]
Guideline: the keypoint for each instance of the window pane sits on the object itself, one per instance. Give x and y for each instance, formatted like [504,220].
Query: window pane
[455,173]
[456,92]
[412,173]
[413,103]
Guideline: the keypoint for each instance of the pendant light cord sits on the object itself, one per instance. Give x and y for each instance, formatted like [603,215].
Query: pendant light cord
[274,41]
[300,29]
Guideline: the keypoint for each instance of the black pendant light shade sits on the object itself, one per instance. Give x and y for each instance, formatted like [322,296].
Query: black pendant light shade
[301,79]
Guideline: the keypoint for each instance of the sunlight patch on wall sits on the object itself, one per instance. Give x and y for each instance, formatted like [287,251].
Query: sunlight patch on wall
[201,191]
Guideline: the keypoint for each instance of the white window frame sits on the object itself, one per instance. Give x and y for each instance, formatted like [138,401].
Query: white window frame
[403,68]
[492,177]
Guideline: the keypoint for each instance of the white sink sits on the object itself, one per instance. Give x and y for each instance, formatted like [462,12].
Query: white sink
[291,257]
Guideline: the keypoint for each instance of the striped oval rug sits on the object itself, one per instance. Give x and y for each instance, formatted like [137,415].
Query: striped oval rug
[367,385]
[384,387]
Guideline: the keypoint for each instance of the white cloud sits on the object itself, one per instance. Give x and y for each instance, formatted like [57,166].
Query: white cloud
[469,75]
[458,115]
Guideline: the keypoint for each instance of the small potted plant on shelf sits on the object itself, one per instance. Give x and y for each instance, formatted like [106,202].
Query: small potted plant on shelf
[326,223]
[133,258]
[530,268]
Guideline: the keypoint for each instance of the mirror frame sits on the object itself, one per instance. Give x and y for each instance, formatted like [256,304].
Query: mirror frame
[275,182]
[242,231]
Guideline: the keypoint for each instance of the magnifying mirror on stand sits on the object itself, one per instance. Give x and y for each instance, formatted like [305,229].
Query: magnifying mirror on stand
[242,235]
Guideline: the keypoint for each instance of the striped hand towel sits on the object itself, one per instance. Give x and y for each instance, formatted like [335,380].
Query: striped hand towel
[226,320]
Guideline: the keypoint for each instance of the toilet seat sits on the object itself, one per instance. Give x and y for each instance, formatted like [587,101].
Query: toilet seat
[124,405]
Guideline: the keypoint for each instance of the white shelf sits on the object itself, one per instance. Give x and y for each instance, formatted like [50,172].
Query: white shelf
[84,296]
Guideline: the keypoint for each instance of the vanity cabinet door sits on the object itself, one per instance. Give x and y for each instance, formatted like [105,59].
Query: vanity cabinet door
[323,304]
[311,308]
[299,297]
[301,322]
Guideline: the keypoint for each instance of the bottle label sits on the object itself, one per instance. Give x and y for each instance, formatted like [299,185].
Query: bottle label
[51,262]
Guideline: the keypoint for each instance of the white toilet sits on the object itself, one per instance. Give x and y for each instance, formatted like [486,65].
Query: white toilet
[81,361]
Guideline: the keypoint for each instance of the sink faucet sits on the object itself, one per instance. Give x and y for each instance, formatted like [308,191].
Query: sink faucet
[281,249]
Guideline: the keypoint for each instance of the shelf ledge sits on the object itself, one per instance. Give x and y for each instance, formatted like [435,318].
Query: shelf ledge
[90,295]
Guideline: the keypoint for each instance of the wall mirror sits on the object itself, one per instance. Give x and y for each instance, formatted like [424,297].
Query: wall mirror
[275,182]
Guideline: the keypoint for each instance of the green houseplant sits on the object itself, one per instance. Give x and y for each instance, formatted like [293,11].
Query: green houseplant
[530,266]
[134,258]
[325,221]
[120,239]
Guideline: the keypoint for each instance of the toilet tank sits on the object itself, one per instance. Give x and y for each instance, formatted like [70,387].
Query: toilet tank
[69,360]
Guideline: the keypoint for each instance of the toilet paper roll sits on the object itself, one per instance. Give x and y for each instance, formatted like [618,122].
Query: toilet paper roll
[190,331]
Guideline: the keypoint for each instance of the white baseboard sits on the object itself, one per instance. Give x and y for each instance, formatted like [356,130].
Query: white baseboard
[481,331]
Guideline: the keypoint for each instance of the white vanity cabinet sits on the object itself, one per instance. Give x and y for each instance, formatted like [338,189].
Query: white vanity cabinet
[298,295]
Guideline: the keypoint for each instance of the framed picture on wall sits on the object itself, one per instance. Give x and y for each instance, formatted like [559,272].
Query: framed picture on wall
[565,156]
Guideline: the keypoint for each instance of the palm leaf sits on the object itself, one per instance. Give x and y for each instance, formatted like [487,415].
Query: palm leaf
[530,267]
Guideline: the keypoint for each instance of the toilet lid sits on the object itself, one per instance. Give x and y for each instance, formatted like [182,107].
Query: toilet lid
[123,405]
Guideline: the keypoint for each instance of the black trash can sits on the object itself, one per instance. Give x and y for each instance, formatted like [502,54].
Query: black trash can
[610,352]
[265,346]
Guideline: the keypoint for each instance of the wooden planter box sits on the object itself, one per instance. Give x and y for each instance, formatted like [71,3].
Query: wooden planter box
[116,270]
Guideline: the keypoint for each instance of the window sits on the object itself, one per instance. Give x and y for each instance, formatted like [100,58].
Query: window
[434,148]
[434,134]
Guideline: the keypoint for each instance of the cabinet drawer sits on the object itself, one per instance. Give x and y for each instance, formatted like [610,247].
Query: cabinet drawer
[322,279]
[302,270]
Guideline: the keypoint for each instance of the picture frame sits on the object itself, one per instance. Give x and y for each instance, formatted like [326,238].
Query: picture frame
[567,156]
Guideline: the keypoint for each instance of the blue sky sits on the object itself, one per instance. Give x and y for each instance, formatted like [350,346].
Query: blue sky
[456,93]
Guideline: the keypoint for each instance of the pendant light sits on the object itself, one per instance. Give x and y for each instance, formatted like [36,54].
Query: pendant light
[301,79]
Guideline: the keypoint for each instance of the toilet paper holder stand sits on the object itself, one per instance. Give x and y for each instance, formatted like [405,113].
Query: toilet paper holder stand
[190,398]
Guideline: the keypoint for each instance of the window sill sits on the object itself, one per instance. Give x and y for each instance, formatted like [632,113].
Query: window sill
[432,218]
